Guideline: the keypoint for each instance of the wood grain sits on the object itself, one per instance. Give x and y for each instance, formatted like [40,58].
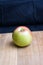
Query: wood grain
[12,55]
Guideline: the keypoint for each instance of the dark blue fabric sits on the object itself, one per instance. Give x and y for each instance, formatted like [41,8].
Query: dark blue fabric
[38,10]
[15,12]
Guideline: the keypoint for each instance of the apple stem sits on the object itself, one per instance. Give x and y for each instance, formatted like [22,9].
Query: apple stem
[22,29]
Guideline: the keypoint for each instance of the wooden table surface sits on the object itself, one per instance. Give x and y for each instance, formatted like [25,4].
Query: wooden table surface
[12,55]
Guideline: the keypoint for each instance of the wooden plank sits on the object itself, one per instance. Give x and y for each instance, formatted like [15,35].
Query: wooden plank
[8,54]
[12,55]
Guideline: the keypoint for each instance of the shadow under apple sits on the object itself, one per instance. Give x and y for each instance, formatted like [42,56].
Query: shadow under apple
[12,44]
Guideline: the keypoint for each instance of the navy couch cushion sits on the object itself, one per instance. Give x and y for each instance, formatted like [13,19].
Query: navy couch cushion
[15,12]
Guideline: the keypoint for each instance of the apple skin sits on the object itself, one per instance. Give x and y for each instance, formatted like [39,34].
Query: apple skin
[22,36]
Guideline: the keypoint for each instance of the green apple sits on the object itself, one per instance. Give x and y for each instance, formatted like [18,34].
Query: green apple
[22,36]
